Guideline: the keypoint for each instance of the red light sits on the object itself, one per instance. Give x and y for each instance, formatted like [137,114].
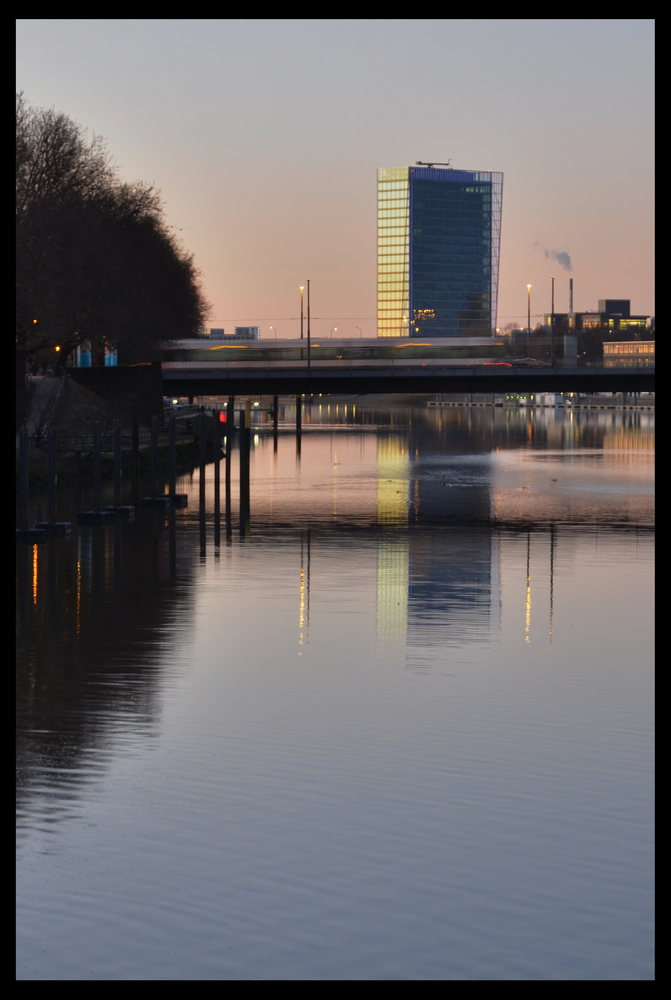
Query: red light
[222,417]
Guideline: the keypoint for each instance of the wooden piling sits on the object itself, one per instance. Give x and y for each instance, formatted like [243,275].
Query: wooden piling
[217,480]
[203,455]
[230,420]
[172,459]
[24,477]
[245,442]
[117,463]
[97,468]
[53,473]
[154,456]
[135,446]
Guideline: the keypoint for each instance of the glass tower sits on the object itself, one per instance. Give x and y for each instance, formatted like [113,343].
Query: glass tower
[439,236]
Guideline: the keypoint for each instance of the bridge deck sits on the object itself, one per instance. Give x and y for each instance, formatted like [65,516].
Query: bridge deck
[386,375]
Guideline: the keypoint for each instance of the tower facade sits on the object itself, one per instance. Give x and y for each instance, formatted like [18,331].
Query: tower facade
[439,239]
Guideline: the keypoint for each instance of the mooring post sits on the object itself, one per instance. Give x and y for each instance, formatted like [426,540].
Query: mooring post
[230,413]
[24,558]
[135,446]
[172,460]
[154,456]
[172,544]
[217,483]
[298,414]
[97,467]
[24,477]
[203,455]
[276,414]
[118,574]
[245,441]
[117,463]
[53,472]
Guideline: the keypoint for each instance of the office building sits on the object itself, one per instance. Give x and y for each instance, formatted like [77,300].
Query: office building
[439,237]
[613,314]
[624,353]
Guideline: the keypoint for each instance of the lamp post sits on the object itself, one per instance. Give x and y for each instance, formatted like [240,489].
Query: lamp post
[302,287]
[275,329]
[308,284]
[552,326]
[360,332]
[528,319]
[334,330]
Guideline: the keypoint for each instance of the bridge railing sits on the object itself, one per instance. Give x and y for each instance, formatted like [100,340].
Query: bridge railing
[352,364]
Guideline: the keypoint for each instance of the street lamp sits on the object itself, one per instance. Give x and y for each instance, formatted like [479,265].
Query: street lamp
[360,331]
[552,326]
[529,319]
[335,329]
[308,284]
[275,329]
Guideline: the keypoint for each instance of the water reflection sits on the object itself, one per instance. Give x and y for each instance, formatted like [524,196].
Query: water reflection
[435,488]
[93,613]
[393,689]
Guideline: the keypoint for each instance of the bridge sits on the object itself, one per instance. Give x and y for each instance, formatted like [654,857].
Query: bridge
[391,375]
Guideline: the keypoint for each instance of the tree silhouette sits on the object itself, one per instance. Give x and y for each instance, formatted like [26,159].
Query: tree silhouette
[95,259]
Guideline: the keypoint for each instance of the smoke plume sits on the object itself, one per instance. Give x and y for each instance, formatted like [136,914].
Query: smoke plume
[561,256]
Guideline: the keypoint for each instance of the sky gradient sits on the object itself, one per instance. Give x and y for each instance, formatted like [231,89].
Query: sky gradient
[265,136]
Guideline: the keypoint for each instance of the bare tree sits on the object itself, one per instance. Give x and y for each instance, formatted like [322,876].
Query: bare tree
[96,260]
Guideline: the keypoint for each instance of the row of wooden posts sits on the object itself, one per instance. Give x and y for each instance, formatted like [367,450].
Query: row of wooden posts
[218,431]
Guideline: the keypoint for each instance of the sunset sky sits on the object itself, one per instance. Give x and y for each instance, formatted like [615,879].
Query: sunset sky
[265,136]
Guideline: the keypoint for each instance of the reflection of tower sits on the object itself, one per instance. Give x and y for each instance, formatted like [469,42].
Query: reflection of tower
[454,585]
[392,551]
[527,617]
[392,592]
[552,578]
[393,468]
[304,603]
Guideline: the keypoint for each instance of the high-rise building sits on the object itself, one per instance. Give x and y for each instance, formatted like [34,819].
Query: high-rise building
[439,237]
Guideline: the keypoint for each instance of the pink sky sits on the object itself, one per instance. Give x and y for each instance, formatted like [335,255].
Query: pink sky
[265,138]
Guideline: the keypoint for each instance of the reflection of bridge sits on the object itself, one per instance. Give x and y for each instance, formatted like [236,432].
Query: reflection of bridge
[387,375]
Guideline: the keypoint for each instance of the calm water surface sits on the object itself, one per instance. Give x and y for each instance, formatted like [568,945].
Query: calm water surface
[398,727]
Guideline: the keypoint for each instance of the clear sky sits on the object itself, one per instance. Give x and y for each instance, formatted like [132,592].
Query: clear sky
[265,137]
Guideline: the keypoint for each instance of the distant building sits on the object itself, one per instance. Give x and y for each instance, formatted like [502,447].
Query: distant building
[615,314]
[241,333]
[620,354]
[439,234]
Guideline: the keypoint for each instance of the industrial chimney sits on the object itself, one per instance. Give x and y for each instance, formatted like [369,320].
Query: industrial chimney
[571,318]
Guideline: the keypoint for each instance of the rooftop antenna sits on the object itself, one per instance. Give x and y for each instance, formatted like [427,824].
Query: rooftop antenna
[420,163]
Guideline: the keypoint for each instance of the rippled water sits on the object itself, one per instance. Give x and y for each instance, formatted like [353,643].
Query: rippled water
[398,727]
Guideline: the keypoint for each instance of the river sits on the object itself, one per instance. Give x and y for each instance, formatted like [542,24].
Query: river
[398,726]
